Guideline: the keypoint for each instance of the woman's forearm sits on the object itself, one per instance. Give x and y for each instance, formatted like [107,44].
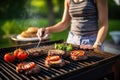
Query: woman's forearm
[64,23]
[102,6]
[102,33]
[58,27]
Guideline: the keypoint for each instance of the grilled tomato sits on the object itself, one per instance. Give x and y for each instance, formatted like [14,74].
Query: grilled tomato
[9,57]
[22,55]
[16,52]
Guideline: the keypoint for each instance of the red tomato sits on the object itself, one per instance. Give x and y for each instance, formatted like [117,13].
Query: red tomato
[22,55]
[16,52]
[21,50]
[8,57]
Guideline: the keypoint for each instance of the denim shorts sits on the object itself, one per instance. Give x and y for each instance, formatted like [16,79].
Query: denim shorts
[78,40]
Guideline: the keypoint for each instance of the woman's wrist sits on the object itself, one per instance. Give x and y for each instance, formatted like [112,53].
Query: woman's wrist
[47,30]
[97,45]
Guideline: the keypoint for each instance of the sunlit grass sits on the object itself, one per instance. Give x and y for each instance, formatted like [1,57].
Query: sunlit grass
[37,3]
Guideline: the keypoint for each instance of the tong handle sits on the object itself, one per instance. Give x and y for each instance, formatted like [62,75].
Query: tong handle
[43,33]
[42,36]
[38,43]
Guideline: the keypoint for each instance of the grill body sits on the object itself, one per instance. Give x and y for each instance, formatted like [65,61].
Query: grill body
[96,66]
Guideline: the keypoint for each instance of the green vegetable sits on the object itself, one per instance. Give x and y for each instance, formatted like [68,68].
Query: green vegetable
[62,46]
[69,48]
[56,46]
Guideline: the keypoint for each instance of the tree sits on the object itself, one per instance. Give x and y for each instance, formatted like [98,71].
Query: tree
[50,12]
[113,10]
[11,8]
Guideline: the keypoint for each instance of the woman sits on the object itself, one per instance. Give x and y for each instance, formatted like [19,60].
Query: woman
[84,15]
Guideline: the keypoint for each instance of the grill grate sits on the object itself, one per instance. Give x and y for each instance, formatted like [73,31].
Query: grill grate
[8,72]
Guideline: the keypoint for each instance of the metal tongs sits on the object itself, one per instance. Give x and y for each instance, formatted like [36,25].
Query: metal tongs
[43,36]
[38,44]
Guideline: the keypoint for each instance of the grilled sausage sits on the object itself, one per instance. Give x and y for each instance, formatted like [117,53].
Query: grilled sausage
[78,55]
[28,68]
[54,61]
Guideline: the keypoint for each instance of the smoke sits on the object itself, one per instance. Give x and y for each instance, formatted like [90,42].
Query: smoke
[29,16]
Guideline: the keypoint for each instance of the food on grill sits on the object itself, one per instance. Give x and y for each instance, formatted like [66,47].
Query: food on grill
[17,54]
[20,54]
[61,53]
[54,61]
[56,52]
[30,32]
[35,52]
[63,46]
[28,68]
[61,49]
[9,57]
[78,55]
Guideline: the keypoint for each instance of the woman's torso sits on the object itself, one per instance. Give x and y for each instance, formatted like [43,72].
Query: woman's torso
[84,17]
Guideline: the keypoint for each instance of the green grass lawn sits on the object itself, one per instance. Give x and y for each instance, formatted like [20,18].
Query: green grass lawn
[16,26]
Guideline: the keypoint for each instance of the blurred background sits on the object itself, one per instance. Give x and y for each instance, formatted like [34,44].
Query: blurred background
[18,15]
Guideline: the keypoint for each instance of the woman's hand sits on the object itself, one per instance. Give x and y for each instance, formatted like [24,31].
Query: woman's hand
[87,46]
[96,47]
[42,32]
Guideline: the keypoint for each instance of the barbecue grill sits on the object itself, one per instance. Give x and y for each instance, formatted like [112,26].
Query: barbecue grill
[96,66]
